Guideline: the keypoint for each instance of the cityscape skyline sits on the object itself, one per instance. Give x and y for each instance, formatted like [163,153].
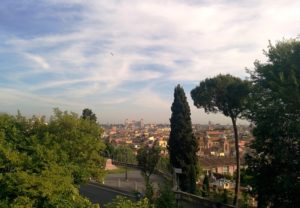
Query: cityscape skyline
[124,60]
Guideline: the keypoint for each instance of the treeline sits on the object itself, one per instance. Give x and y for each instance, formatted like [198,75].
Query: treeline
[42,164]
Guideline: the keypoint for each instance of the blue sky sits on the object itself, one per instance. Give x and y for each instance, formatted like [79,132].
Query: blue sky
[123,59]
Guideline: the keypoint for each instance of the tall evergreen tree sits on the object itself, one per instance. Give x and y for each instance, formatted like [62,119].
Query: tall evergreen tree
[182,144]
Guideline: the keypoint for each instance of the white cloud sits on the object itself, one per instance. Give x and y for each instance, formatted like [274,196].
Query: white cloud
[15,97]
[188,40]
[40,61]
[150,100]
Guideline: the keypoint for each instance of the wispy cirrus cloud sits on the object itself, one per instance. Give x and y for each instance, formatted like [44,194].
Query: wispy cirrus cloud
[40,61]
[116,54]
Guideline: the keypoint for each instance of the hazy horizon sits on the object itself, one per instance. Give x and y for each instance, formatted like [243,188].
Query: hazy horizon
[213,118]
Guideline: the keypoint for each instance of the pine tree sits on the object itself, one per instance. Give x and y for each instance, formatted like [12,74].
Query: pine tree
[182,143]
[226,94]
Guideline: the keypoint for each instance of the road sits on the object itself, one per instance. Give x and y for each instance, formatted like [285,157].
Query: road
[102,194]
[99,194]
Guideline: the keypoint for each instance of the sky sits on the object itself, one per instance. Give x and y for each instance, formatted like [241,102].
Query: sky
[123,59]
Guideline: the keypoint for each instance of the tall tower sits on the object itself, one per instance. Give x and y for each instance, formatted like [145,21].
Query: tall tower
[210,126]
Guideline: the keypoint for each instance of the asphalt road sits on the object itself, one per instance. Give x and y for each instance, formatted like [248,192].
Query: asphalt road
[115,184]
[102,195]
[99,194]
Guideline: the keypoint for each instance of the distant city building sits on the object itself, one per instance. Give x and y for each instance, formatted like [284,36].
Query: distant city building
[142,123]
[134,124]
[213,143]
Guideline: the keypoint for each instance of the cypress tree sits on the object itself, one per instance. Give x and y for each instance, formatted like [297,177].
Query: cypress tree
[182,144]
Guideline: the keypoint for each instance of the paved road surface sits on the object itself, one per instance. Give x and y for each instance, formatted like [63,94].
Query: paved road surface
[103,195]
[99,194]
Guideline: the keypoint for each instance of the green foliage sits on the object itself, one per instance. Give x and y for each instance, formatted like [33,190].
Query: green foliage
[87,114]
[149,191]
[223,93]
[245,200]
[109,150]
[228,95]
[42,164]
[225,196]
[182,144]
[122,202]
[245,177]
[147,158]
[164,164]
[274,111]
[123,153]
[166,198]
[80,140]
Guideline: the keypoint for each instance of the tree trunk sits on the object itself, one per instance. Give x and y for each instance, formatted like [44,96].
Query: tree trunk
[237,178]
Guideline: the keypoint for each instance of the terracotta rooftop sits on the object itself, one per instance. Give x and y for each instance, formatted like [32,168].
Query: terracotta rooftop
[216,161]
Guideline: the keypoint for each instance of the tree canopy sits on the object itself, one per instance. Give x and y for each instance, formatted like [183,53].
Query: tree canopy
[88,114]
[224,93]
[147,158]
[42,164]
[182,144]
[274,110]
